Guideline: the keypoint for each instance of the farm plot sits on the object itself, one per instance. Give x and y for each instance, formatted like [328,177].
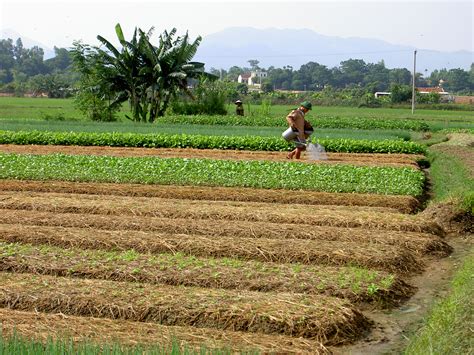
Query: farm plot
[223,267]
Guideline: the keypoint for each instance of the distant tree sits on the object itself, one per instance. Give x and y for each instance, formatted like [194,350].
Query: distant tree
[377,77]
[60,62]
[353,71]
[7,60]
[400,93]
[400,76]
[254,64]
[458,80]
[316,75]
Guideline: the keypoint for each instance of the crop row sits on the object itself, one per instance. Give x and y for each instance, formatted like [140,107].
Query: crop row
[317,122]
[202,142]
[206,172]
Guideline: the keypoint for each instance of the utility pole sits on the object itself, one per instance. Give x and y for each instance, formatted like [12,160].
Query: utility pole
[413,96]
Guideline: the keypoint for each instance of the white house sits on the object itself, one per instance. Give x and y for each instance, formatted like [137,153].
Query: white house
[253,78]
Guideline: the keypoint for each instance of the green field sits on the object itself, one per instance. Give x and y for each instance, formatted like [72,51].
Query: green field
[43,108]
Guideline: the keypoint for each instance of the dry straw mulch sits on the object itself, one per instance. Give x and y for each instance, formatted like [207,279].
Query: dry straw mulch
[325,319]
[43,326]
[343,282]
[306,219]
[239,220]
[373,255]
[404,204]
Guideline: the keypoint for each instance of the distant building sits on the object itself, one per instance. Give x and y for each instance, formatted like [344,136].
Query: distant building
[253,78]
[429,90]
[382,93]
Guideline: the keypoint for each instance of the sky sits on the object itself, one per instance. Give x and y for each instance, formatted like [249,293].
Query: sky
[425,24]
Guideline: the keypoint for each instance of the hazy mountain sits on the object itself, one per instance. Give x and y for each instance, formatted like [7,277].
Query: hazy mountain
[27,42]
[280,47]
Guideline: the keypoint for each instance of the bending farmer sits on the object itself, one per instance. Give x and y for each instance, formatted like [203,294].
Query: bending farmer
[299,129]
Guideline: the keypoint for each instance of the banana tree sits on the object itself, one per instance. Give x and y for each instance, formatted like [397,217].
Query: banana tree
[168,67]
[145,75]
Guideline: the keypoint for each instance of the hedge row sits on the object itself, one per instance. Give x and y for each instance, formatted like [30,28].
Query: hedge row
[318,122]
[201,142]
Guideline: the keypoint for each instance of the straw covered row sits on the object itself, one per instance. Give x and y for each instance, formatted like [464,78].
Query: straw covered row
[383,257]
[325,319]
[405,204]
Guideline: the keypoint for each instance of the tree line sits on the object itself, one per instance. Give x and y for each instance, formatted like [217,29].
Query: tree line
[352,73]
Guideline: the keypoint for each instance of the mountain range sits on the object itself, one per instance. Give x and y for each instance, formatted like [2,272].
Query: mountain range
[295,47]
[234,46]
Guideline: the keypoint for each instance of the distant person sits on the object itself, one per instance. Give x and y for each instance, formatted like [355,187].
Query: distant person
[239,108]
[299,129]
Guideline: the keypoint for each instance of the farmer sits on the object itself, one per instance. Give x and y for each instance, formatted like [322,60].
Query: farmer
[299,129]
[239,109]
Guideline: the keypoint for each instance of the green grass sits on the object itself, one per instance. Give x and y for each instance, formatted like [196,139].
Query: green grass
[40,108]
[206,172]
[448,329]
[451,179]
[17,344]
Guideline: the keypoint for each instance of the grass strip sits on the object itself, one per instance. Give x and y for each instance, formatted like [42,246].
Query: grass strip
[453,177]
[325,319]
[257,174]
[310,252]
[116,139]
[353,283]
[404,204]
[447,330]
[38,333]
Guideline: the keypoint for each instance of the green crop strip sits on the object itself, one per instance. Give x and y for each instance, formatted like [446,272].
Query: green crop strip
[202,142]
[206,172]
[317,122]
